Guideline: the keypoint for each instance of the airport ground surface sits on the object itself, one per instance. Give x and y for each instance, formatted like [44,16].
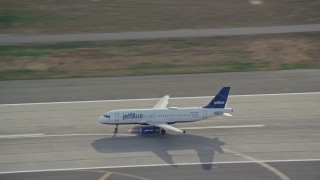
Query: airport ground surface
[269,136]
[156,86]
[95,37]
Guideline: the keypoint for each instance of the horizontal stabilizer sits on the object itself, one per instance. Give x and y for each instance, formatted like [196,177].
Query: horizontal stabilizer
[227,114]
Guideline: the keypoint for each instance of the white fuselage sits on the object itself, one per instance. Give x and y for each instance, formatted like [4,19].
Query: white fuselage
[168,115]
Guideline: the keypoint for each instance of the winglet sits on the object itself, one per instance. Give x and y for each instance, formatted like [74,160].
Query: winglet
[220,100]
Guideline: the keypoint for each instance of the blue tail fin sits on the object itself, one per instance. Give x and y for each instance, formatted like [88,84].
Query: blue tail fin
[220,100]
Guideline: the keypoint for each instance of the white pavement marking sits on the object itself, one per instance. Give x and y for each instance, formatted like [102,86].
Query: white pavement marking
[161,165]
[224,127]
[148,99]
[68,135]
[19,136]
[57,135]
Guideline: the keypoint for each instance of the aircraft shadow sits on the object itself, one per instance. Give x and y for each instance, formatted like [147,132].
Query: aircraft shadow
[160,145]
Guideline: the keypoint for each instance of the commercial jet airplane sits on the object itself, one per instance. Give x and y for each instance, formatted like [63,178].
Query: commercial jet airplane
[159,118]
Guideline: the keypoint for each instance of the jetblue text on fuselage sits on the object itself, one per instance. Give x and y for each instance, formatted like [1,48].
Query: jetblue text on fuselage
[132,116]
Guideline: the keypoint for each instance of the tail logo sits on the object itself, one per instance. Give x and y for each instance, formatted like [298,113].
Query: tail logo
[218,102]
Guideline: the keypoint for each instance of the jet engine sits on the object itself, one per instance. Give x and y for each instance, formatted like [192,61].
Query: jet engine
[145,130]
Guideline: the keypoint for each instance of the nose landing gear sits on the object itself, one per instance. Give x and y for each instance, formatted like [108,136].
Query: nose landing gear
[115,130]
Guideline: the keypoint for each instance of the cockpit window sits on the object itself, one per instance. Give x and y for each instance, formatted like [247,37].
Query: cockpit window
[107,116]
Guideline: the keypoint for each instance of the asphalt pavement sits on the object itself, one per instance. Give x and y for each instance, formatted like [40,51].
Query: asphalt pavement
[156,86]
[237,171]
[268,137]
[180,33]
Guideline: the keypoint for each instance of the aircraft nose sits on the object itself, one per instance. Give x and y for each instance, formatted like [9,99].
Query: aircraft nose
[101,119]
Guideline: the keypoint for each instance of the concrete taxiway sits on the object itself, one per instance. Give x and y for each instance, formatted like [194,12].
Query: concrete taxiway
[269,137]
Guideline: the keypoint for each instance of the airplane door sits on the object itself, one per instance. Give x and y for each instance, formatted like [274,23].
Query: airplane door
[116,117]
[205,114]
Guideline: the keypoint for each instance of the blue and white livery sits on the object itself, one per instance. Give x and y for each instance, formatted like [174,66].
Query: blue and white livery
[159,118]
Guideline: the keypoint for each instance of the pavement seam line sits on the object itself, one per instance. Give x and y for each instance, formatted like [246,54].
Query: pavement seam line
[263,164]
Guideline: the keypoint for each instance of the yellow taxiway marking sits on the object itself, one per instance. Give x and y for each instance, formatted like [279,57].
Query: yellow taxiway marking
[106,176]
[263,164]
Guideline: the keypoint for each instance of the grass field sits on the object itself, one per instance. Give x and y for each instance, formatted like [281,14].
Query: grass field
[72,16]
[193,55]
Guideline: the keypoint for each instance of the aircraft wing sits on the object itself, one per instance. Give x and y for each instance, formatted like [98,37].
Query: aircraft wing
[162,103]
[166,127]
